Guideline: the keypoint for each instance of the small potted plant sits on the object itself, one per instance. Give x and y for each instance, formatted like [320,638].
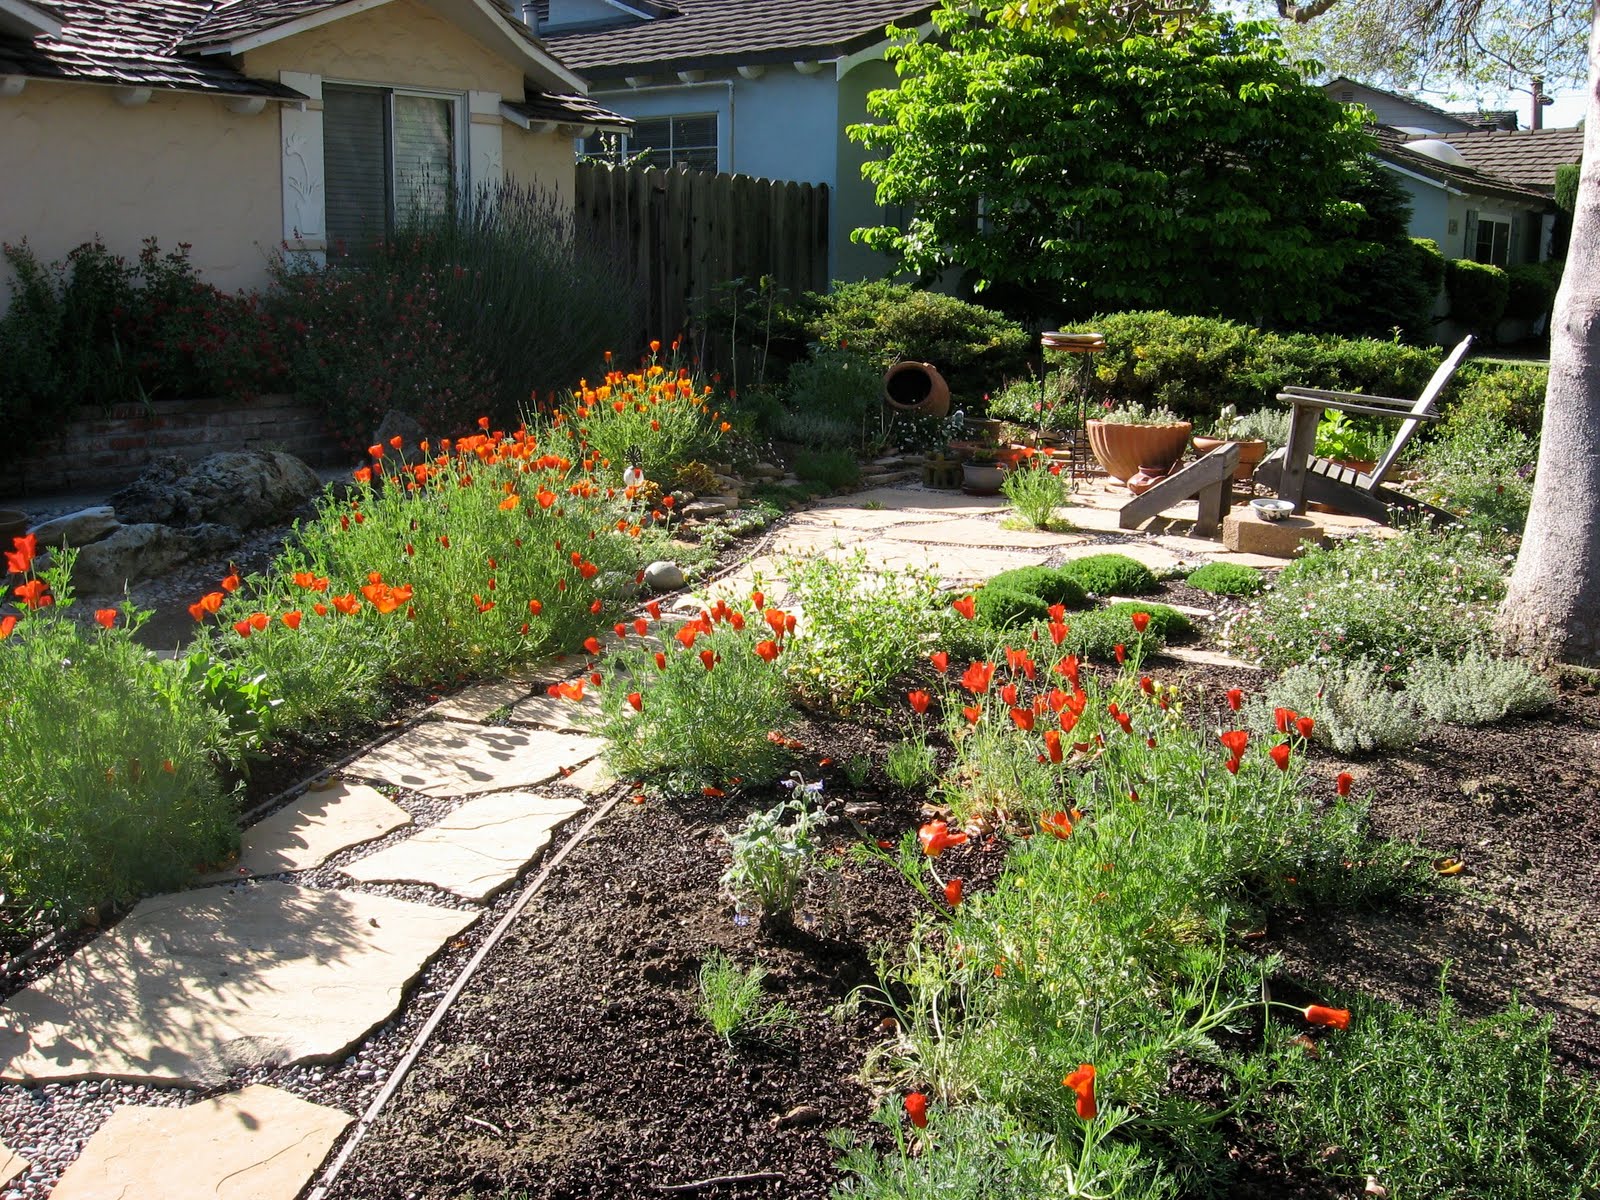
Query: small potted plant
[1347,442]
[1229,426]
[1130,439]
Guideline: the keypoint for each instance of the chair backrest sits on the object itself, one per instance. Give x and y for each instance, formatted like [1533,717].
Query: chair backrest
[1424,404]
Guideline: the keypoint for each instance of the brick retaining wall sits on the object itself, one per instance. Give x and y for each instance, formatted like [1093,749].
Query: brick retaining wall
[97,450]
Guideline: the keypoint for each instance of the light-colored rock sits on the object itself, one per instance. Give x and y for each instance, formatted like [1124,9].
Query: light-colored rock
[256,1144]
[396,424]
[191,986]
[128,554]
[475,850]
[1207,658]
[766,470]
[77,528]
[12,1164]
[447,758]
[1188,610]
[700,509]
[315,827]
[1245,533]
[477,702]
[240,488]
[664,576]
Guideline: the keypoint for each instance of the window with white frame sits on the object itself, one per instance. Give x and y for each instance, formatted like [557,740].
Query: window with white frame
[1493,243]
[388,155]
[660,142]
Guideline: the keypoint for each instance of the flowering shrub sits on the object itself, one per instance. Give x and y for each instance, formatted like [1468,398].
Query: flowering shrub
[695,705]
[108,780]
[656,418]
[1390,600]
[1355,709]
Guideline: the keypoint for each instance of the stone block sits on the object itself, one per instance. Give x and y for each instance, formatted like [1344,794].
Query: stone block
[1245,533]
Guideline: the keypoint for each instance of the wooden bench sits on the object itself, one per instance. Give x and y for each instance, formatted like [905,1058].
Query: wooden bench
[1299,475]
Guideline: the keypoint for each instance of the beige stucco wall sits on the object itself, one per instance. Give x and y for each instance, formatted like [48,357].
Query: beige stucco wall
[540,158]
[402,43]
[182,168]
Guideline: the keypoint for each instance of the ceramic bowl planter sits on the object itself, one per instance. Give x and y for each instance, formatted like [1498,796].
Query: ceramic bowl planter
[1123,449]
[1251,452]
[982,478]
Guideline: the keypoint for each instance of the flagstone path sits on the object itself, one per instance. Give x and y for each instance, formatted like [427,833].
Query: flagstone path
[270,965]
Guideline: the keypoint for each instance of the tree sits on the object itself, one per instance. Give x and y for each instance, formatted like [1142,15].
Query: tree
[1552,605]
[1193,170]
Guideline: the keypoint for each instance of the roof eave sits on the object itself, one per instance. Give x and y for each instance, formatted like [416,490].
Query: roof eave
[28,20]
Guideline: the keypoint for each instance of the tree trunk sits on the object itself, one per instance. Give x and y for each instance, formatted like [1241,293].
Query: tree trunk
[1552,606]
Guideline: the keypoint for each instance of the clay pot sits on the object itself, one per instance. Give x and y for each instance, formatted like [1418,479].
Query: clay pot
[982,479]
[916,388]
[1251,452]
[1145,478]
[13,524]
[1123,449]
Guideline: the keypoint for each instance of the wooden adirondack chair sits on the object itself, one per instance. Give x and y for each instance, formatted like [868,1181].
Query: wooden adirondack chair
[1299,475]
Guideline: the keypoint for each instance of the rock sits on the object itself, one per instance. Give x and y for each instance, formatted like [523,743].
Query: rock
[766,470]
[132,553]
[243,489]
[77,528]
[701,509]
[664,576]
[1245,533]
[396,424]
[800,1116]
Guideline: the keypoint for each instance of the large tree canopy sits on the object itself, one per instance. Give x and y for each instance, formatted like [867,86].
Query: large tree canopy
[1188,168]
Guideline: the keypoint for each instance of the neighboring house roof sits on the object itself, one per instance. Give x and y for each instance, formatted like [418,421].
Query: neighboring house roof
[1392,148]
[1526,156]
[727,33]
[178,44]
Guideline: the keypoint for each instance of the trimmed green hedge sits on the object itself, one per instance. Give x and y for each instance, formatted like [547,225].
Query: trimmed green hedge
[1478,294]
[1110,575]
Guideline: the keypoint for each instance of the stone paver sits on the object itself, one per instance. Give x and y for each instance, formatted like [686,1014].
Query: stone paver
[593,778]
[1207,658]
[190,986]
[447,758]
[255,1144]
[479,701]
[12,1164]
[475,850]
[313,828]
[979,531]
[853,522]
[552,712]
[913,500]
[965,564]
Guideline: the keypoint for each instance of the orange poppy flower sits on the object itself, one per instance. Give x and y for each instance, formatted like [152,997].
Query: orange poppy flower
[1280,756]
[292,619]
[940,660]
[917,1109]
[230,583]
[35,594]
[919,701]
[768,649]
[936,838]
[1081,1082]
[967,606]
[347,604]
[1234,741]
[20,559]
[1052,745]
[1141,621]
[1057,823]
[1337,1018]
[952,893]
[105,617]
[8,623]
[636,701]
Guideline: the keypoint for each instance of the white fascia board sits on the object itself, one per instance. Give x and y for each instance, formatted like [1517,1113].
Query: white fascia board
[1421,178]
[873,53]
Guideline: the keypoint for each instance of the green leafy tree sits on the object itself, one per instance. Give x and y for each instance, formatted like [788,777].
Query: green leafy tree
[1188,168]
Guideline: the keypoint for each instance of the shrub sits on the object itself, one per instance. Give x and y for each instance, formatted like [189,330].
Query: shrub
[1109,575]
[1531,289]
[705,709]
[1481,469]
[1049,402]
[1049,585]
[1478,688]
[1393,284]
[732,1003]
[832,399]
[973,347]
[1513,393]
[1036,490]
[1001,606]
[1354,708]
[108,783]
[1390,600]
[1478,294]
[1096,633]
[834,469]
[1226,579]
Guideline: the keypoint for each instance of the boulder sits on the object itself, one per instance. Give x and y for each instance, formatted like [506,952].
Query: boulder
[77,528]
[397,424]
[664,576]
[700,509]
[130,553]
[241,488]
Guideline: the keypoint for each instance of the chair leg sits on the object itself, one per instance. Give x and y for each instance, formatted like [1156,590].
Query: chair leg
[1214,501]
[1302,444]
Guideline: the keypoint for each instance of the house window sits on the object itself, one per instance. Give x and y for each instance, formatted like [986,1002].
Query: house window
[1494,242]
[388,156]
[660,142]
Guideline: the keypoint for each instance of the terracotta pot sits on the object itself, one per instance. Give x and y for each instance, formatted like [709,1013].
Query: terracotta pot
[1145,478]
[1251,452]
[1123,449]
[13,524]
[916,388]
[1012,455]
[982,479]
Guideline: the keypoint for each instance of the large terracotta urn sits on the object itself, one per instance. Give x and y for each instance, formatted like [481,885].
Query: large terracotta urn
[1123,449]
[917,389]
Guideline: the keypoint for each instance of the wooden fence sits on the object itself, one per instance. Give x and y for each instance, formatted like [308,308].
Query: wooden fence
[686,232]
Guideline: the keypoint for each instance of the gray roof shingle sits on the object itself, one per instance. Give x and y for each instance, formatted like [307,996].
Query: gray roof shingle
[567,110]
[731,32]
[1392,148]
[1526,156]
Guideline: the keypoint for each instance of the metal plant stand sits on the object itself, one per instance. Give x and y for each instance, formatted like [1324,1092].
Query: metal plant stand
[1081,462]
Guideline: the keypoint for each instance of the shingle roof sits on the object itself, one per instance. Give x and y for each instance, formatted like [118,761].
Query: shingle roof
[567,110]
[129,43]
[731,32]
[1526,156]
[1392,148]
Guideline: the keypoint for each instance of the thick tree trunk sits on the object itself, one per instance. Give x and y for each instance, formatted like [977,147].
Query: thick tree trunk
[1552,607]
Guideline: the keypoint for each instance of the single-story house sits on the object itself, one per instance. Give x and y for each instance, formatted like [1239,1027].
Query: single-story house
[242,126]
[1479,187]
[759,87]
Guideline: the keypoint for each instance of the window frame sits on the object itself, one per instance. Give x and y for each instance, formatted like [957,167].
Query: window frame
[626,152]
[1494,222]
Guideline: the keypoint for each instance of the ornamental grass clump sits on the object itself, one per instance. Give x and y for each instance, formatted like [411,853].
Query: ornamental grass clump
[483,553]
[733,1003]
[1036,490]
[109,778]
[1387,600]
[697,705]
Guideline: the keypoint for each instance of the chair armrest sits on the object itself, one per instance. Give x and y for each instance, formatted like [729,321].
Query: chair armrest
[1302,393]
[1302,400]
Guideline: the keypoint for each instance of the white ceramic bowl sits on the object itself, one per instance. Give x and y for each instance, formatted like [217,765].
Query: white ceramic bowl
[1272,510]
